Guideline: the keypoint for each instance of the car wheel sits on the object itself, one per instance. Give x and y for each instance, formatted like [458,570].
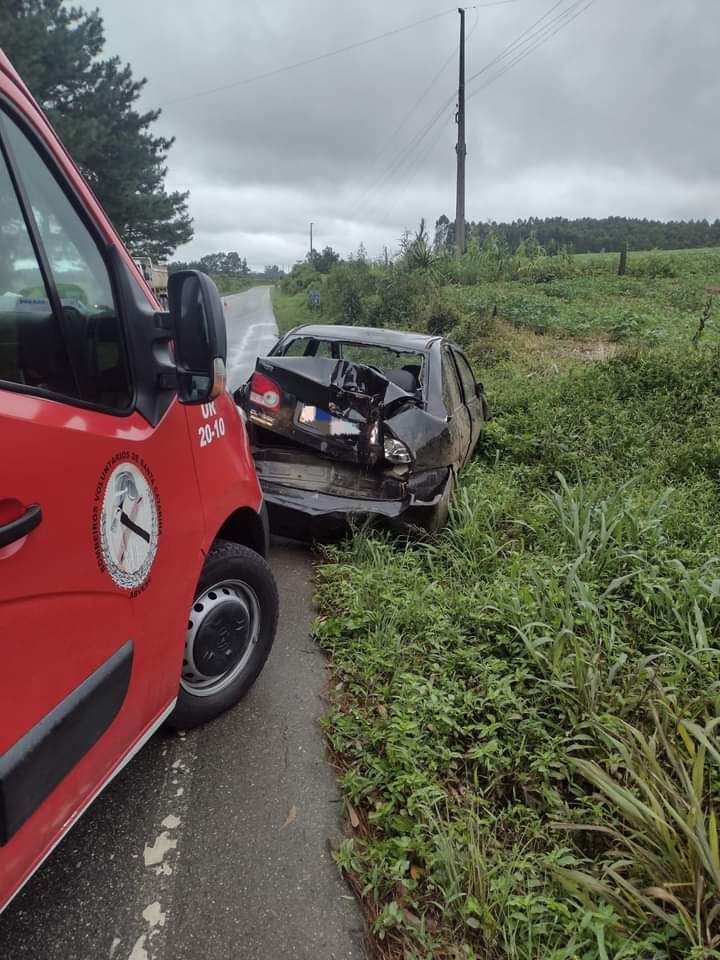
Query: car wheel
[231,628]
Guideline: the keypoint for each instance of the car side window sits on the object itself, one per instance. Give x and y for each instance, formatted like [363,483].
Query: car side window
[296,348]
[324,350]
[75,350]
[467,378]
[25,313]
[301,347]
[450,385]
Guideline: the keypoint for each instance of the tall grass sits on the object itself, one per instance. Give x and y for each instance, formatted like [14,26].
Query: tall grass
[662,298]
[525,710]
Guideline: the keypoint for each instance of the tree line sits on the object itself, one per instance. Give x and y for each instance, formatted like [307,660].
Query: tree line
[587,234]
[226,265]
[216,264]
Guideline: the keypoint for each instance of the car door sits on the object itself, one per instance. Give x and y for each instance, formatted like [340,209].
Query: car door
[472,396]
[96,506]
[457,412]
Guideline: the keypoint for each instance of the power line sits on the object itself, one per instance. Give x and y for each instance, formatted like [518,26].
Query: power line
[417,164]
[418,161]
[530,39]
[542,36]
[405,153]
[323,56]
[506,50]
[421,99]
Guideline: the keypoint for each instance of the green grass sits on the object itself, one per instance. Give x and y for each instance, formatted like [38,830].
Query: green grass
[292,310]
[660,300]
[523,710]
[592,300]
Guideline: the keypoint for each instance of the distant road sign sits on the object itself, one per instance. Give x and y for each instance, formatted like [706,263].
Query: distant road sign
[314,298]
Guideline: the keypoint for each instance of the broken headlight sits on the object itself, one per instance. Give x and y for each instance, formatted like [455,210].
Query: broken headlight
[396,452]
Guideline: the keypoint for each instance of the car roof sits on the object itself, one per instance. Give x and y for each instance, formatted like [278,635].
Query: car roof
[393,339]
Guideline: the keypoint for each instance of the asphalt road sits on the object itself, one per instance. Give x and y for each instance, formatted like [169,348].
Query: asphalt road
[213,845]
[252,331]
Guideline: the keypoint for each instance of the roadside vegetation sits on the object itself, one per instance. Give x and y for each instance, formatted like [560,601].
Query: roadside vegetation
[293,309]
[525,710]
[659,299]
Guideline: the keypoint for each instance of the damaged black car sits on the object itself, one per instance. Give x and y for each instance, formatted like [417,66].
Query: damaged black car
[357,424]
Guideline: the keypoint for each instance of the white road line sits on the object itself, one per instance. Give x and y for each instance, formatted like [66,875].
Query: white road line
[252,332]
[160,857]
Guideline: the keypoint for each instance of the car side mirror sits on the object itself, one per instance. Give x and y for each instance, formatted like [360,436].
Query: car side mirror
[200,336]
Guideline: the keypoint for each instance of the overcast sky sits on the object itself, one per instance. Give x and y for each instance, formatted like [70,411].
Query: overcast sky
[616,114]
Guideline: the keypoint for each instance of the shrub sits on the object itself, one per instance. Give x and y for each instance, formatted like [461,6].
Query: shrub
[442,318]
[652,265]
[347,286]
[403,299]
[301,278]
[624,325]
[529,311]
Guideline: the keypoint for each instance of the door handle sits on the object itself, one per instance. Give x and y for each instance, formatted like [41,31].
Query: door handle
[17,529]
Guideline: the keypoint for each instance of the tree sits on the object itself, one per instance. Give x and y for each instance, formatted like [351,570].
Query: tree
[587,235]
[417,254]
[444,236]
[232,263]
[90,102]
[324,262]
[211,263]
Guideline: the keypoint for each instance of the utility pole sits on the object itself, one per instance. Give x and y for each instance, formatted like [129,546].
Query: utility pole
[311,246]
[460,148]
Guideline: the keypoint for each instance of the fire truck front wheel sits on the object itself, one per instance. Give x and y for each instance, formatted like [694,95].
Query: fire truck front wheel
[230,631]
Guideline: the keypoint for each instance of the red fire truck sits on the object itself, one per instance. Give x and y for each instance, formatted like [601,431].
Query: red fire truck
[133,585]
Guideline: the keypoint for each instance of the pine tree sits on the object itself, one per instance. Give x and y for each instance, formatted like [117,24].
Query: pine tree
[91,103]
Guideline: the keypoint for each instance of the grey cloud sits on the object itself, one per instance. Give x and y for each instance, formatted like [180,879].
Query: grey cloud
[614,115]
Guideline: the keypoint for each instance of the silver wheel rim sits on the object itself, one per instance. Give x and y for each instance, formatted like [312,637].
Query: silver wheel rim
[231,599]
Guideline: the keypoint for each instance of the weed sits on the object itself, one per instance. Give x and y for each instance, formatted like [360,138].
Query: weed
[525,710]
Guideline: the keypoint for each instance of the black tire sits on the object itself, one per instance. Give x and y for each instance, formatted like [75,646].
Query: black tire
[230,567]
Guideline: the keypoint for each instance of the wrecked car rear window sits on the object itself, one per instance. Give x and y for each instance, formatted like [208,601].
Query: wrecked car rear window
[308,347]
[402,367]
[382,357]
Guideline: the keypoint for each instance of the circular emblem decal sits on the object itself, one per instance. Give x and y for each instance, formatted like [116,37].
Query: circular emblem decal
[129,526]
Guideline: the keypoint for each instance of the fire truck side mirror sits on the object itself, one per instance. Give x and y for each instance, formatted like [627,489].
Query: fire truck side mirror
[200,337]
